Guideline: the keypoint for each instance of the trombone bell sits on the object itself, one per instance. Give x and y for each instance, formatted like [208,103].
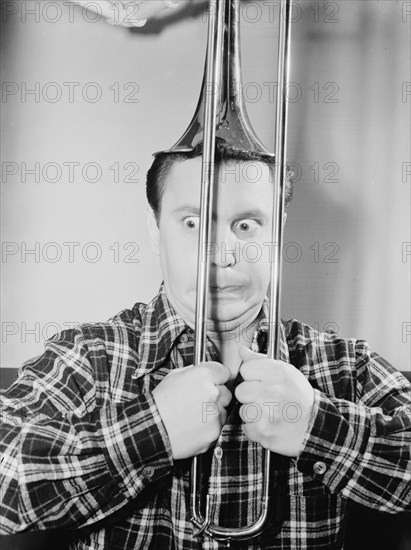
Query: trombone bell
[231,121]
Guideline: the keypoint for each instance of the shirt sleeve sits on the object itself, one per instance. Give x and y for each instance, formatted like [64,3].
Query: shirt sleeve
[362,449]
[69,459]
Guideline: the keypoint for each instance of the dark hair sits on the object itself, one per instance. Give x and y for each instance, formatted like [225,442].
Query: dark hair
[163,161]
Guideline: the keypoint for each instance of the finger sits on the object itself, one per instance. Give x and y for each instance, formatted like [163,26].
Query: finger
[267,370]
[108,10]
[122,12]
[115,12]
[225,396]
[255,366]
[141,10]
[220,374]
[250,433]
[172,4]
[104,8]
[251,416]
[148,8]
[129,13]
[247,354]
[249,392]
[251,360]
[179,370]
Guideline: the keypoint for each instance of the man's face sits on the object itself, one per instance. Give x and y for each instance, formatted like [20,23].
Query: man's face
[239,259]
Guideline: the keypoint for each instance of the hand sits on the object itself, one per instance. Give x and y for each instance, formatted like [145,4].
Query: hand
[191,402]
[277,401]
[129,13]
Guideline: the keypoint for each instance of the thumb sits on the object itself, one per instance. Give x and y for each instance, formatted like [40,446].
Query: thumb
[179,370]
[247,354]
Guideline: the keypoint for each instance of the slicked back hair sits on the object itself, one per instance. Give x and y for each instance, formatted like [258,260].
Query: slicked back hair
[158,172]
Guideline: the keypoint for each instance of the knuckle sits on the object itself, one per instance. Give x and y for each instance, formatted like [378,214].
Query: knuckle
[244,370]
[239,393]
[227,396]
[213,393]
[224,392]
[216,431]
[248,431]
[227,371]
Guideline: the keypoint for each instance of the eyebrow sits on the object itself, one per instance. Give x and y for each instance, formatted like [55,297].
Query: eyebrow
[187,208]
[195,210]
[252,213]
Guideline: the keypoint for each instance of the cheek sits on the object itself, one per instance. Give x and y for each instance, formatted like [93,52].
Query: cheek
[255,259]
[177,259]
[262,278]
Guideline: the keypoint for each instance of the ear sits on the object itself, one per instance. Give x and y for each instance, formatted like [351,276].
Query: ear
[153,231]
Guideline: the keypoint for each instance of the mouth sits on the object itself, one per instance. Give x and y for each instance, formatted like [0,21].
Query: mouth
[225,289]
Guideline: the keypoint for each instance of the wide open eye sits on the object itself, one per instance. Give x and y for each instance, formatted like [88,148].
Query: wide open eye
[191,222]
[246,227]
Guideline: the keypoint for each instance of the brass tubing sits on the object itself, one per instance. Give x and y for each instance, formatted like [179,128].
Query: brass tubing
[212,107]
[213,73]
[273,349]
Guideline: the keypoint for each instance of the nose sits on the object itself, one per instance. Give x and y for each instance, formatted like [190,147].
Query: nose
[226,249]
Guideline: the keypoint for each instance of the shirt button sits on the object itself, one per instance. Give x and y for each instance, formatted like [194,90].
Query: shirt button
[218,453]
[148,471]
[320,468]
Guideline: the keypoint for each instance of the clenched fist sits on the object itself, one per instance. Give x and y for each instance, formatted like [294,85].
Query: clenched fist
[191,402]
[277,401]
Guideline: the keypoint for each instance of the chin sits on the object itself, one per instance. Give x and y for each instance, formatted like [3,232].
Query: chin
[224,313]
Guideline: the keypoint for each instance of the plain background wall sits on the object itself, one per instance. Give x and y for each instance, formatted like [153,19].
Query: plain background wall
[348,226]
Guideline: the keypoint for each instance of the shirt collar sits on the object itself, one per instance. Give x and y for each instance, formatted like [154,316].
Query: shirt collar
[162,326]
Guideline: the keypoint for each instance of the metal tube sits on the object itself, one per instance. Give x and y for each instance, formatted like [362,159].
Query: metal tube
[213,73]
[273,350]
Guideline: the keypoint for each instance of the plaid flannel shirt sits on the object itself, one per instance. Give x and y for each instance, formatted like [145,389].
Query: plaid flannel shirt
[84,448]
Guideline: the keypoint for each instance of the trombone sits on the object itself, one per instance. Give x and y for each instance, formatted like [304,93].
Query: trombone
[221,114]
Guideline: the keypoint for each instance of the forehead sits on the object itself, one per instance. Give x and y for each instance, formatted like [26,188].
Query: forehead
[237,182]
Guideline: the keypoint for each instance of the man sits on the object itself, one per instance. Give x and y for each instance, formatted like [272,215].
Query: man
[100,429]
